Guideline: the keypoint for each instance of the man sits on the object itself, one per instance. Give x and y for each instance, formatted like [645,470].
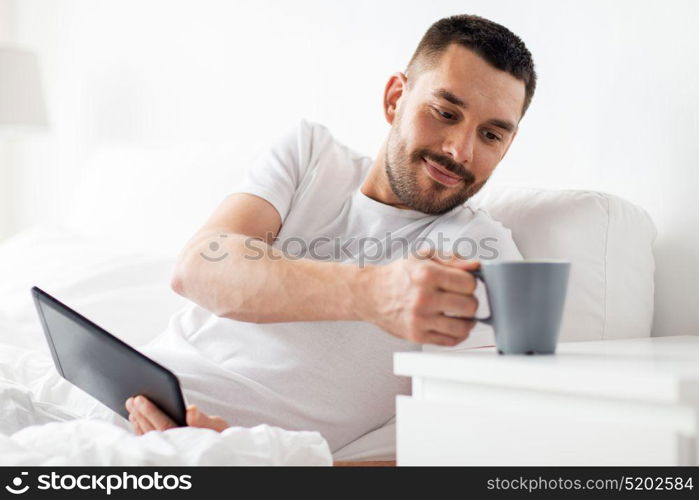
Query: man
[306,341]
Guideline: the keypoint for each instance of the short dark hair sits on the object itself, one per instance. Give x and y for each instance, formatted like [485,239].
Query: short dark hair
[491,41]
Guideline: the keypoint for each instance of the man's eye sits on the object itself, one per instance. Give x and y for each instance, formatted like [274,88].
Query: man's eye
[445,114]
[491,136]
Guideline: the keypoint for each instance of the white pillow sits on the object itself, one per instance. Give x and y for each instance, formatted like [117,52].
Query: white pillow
[126,293]
[607,239]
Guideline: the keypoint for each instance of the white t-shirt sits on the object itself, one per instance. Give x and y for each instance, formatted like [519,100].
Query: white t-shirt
[335,377]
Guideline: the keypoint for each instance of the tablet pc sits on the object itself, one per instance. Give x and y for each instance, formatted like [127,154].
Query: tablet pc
[102,365]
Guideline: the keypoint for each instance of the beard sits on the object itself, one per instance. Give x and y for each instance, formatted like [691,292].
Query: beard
[402,171]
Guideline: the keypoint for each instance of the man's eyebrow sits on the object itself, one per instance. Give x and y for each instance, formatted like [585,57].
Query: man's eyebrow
[505,125]
[448,96]
[457,101]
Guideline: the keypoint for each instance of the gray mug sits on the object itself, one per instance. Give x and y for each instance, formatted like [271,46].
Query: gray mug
[526,300]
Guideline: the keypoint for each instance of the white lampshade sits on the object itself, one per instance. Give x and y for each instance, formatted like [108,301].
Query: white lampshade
[21,96]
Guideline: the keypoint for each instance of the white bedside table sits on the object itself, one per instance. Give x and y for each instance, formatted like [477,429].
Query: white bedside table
[614,402]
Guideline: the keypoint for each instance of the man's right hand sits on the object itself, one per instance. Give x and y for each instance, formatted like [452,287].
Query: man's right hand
[423,300]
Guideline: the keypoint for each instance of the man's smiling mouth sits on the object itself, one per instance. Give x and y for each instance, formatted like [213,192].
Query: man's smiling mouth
[440,174]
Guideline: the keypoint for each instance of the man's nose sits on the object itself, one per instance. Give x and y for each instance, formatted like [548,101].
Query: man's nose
[459,145]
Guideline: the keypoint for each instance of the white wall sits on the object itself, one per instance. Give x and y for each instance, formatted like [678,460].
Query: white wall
[616,108]
[7,35]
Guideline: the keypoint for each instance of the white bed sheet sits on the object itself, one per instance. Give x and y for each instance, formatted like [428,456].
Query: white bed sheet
[46,420]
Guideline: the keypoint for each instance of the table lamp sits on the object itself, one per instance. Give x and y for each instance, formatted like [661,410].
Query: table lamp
[21,97]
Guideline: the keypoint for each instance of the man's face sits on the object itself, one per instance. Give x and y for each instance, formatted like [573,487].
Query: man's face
[451,128]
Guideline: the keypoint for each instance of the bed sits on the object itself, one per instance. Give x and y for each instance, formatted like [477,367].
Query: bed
[113,258]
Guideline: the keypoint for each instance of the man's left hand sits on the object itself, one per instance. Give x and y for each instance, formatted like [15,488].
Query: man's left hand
[146,416]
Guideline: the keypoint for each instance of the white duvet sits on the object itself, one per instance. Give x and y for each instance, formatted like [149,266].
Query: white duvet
[45,420]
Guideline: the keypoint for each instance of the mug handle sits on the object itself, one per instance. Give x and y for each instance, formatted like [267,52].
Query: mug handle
[489,320]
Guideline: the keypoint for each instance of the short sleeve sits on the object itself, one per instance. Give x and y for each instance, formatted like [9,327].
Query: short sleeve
[276,174]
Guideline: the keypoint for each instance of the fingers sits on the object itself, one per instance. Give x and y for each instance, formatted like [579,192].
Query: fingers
[443,277]
[456,328]
[439,329]
[449,259]
[193,416]
[145,424]
[135,425]
[197,418]
[453,279]
[457,262]
[134,418]
[455,304]
[138,422]
[219,424]
[147,416]
[154,418]
[441,339]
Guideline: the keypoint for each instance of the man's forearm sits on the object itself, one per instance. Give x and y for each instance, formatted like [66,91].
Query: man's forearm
[256,282]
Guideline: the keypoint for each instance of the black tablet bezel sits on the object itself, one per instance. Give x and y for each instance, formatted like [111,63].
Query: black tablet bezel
[167,396]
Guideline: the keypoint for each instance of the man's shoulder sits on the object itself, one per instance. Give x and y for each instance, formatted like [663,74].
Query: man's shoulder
[319,140]
[468,217]
[309,132]
[471,225]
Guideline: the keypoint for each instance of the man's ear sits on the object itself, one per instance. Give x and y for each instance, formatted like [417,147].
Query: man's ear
[395,88]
